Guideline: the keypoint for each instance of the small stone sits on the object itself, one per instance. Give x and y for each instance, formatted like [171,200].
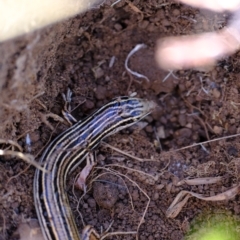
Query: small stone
[216,93]
[100,157]
[182,119]
[184,132]
[188,84]
[85,205]
[160,186]
[89,104]
[163,120]
[236,209]
[234,90]
[175,180]
[144,24]
[98,72]
[176,12]
[169,187]
[135,195]
[232,129]
[156,196]
[165,23]
[92,203]
[34,136]
[15,205]
[160,13]
[217,130]
[118,27]
[161,132]
[212,193]
[100,92]
[232,120]
[149,129]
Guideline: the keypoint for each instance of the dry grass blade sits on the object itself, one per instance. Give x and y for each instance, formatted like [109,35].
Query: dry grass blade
[57,118]
[6,195]
[25,157]
[153,178]
[10,142]
[178,203]
[127,154]
[209,141]
[199,181]
[135,49]
[116,2]
[81,181]
[3,228]
[117,233]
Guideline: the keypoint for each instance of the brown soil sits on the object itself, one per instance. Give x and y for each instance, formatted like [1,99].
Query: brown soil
[76,54]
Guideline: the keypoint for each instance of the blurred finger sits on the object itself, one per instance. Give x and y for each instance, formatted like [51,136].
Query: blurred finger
[23,16]
[196,51]
[214,5]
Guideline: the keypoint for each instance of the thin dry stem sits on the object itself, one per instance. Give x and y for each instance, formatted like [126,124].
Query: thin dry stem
[178,203]
[209,141]
[199,181]
[135,49]
[12,143]
[3,229]
[127,154]
[57,118]
[17,175]
[25,157]
[154,178]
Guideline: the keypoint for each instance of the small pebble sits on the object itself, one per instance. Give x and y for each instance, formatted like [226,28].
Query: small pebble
[176,12]
[217,130]
[89,104]
[118,27]
[160,186]
[100,92]
[216,93]
[161,132]
[182,119]
[98,72]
